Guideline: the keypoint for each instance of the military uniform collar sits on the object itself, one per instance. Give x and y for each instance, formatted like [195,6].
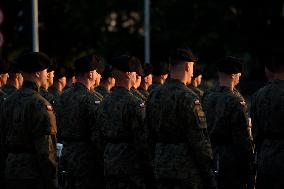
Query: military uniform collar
[81,86]
[31,85]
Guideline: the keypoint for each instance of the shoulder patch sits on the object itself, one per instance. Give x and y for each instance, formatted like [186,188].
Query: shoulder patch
[49,107]
[97,102]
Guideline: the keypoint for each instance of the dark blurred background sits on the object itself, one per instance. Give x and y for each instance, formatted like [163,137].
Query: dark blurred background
[252,30]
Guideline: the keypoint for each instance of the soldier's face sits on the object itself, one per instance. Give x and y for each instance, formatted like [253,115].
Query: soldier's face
[236,78]
[189,71]
[148,79]
[42,77]
[50,76]
[63,81]
[20,79]
[198,80]
[3,78]
[138,81]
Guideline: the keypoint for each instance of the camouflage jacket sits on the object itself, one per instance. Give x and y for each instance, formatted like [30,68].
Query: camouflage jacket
[9,89]
[76,113]
[138,94]
[122,135]
[102,90]
[267,119]
[28,130]
[178,134]
[2,95]
[154,86]
[47,95]
[198,91]
[143,92]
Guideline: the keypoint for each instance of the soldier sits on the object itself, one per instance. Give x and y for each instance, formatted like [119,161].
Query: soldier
[228,126]
[59,81]
[136,83]
[4,69]
[182,151]
[107,82]
[44,88]
[70,78]
[76,113]
[196,81]
[160,74]
[28,129]
[15,80]
[121,132]
[146,81]
[267,118]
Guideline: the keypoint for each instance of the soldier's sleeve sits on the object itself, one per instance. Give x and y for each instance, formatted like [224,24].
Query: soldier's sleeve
[43,135]
[199,140]
[240,126]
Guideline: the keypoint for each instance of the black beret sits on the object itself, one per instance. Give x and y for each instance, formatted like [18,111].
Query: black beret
[125,63]
[229,65]
[4,67]
[60,72]
[107,72]
[33,62]
[148,69]
[276,62]
[52,66]
[14,67]
[70,72]
[182,54]
[89,63]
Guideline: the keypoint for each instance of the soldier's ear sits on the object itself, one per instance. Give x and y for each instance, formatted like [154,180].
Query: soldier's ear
[37,74]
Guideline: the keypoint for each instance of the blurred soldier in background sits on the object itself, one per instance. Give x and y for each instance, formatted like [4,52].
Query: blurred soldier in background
[107,82]
[196,81]
[267,118]
[178,134]
[120,131]
[228,126]
[146,80]
[59,81]
[160,74]
[70,77]
[15,80]
[76,113]
[4,69]
[28,129]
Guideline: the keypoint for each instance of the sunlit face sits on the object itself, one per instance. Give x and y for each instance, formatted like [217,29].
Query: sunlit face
[112,82]
[138,81]
[63,81]
[148,79]
[132,77]
[236,78]
[198,80]
[50,76]
[3,78]
[20,79]
[42,77]
[189,71]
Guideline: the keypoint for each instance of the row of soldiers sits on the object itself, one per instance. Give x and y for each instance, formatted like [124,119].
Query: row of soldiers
[115,128]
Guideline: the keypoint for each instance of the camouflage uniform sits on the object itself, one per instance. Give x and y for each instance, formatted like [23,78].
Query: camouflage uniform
[182,151]
[122,136]
[138,94]
[47,95]
[54,92]
[143,92]
[198,91]
[76,111]
[2,152]
[154,86]
[9,89]
[267,117]
[2,94]
[227,121]
[102,90]
[28,130]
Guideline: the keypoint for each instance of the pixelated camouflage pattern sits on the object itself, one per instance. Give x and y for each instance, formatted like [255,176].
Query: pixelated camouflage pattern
[267,118]
[196,90]
[122,137]
[138,94]
[47,95]
[181,148]
[76,111]
[227,120]
[143,92]
[28,131]
[102,90]
[9,89]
